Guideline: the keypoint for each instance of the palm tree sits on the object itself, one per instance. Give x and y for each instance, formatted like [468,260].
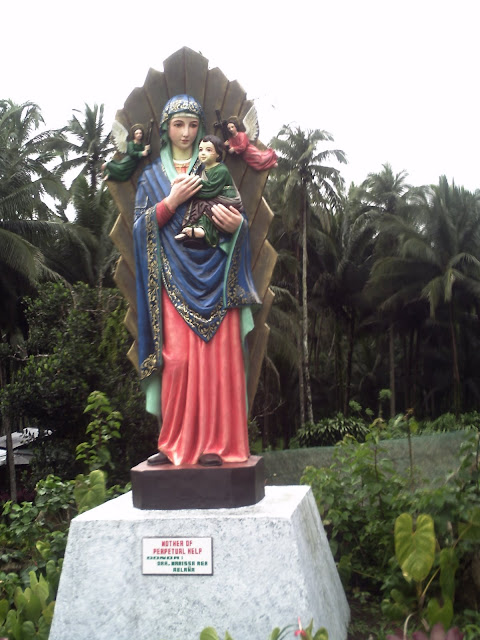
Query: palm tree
[25,180]
[308,186]
[454,221]
[25,156]
[273,401]
[90,144]
[285,236]
[26,222]
[95,216]
[344,250]
[437,262]
[388,195]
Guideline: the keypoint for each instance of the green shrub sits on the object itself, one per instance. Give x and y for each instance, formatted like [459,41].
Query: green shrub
[32,613]
[209,633]
[33,535]
[448,422]
[429,571]
[77,343]
[360,497]
[329,431]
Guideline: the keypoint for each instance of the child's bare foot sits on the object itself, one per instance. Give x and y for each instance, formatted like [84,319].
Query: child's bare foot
[194,232]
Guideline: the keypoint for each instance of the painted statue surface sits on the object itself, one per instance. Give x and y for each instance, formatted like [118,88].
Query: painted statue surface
[218,187]
[239,143]
[134,150]
[193,304]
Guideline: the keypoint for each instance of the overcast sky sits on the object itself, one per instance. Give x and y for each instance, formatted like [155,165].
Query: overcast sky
[392,81]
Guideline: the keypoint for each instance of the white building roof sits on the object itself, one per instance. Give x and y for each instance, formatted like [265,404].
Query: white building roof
[19,439]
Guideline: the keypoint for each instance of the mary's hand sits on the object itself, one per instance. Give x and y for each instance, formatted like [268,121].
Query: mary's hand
[227,220]
[183,188]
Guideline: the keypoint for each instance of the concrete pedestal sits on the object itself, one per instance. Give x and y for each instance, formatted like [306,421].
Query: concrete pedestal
[271,564]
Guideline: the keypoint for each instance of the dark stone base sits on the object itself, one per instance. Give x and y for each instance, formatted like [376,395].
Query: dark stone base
[234,484]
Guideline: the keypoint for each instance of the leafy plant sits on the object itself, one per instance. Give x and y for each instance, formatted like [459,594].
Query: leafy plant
[359,496]
[90,490]
[329,431]
[54,498]
[42,528]
[31,533]
[321,634]
[408,426]
[102,428]
[417,553]
[209,633]
[471,624]
[76,344]
[32,614]
[437,633]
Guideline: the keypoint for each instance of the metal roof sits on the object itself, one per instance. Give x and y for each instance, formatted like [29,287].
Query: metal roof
[19,439]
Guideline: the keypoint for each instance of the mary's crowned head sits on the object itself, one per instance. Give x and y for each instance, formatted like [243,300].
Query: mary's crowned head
[181,104]
[182,107]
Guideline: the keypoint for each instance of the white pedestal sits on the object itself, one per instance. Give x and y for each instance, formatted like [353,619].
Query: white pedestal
[271,564]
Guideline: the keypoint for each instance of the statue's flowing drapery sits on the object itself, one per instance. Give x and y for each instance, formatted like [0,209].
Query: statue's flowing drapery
[193,315]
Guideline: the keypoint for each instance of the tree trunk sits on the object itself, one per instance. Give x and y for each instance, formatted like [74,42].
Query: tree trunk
[301,384]
[7,429]
[338,367]
[416,367]
[456,372]
[348,381]
[410,394]
[392,370]
[306,364]
[10,458]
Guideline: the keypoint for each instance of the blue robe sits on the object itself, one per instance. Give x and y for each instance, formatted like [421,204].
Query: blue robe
[201,283]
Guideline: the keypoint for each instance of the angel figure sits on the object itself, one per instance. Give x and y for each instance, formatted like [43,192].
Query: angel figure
[134,150]
[242,135]
[218,187]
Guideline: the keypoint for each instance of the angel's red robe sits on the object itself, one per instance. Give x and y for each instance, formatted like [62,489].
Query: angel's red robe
[255,158]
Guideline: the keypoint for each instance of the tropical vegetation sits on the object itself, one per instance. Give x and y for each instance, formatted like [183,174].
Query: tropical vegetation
[374,333]
[393,289]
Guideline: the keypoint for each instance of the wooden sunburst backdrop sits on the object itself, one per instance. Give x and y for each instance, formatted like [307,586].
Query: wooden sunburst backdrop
[187,72]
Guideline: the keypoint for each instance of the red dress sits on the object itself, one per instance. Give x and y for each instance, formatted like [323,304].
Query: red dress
[255,158]
[203,391]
